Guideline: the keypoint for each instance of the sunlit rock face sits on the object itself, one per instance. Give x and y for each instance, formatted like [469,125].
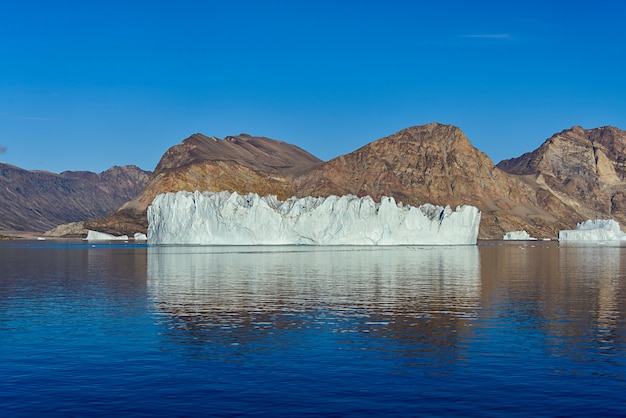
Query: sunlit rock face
[207,218]
[579,174]
[433,163]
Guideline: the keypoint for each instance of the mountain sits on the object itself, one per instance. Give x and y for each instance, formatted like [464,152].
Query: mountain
[437,164]
[583,170]
[241,163]
[575,175]
[40,200]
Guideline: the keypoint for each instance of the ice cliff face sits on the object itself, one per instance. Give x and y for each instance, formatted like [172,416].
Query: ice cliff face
[594,230]
[207,218]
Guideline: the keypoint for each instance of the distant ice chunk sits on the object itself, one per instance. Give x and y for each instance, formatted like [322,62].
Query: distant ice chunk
[208,218]
[518,236]
[103,236]
[140,236]
[594,230]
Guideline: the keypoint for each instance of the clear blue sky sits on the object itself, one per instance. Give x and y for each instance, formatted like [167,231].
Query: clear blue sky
[85,85]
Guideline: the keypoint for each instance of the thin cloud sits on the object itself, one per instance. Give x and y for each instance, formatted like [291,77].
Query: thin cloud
[488,36]
[31,118]
[3,149]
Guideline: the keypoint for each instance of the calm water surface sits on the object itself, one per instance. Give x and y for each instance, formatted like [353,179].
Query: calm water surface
[499,329]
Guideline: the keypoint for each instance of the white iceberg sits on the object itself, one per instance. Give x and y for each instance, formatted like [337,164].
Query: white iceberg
[594,230]
[139,236]
[208,218]
[103,236]
[518,236]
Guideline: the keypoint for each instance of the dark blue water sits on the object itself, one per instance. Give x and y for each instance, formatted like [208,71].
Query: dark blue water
[493,330]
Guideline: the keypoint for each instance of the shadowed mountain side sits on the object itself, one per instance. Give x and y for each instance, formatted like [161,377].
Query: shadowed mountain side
[40,200]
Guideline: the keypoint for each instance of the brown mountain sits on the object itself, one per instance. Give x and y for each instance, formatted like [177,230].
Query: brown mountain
[437,164]
[583,170]
[40,200]
[241,163]
[575,175]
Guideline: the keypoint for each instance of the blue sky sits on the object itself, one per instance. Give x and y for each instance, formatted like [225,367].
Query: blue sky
[85,85]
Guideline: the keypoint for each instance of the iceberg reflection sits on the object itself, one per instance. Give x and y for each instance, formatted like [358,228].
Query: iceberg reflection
[244,294]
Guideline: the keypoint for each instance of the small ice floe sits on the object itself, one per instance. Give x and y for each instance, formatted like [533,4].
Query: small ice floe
[103,236]
[140,236]
[518,236]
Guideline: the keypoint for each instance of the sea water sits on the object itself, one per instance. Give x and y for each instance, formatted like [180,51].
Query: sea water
[498,329]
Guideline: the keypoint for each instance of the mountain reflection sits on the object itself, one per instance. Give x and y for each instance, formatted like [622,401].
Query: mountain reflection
[566,300]
[598,270]
[423,298]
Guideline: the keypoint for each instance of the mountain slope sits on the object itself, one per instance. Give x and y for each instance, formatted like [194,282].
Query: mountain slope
[437,164]
[241,163]
[583,169]
[40,200]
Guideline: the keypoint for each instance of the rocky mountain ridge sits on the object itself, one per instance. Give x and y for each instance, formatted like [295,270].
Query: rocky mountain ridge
[40,200]
[582,169]
[575,175]
[437,164]
[242,163]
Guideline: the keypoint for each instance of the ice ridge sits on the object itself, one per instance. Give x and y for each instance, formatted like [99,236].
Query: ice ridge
[208,218]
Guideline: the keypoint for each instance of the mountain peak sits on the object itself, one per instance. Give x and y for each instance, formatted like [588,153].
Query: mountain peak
[572,152]
[583,168]
[432,163]
[250,151]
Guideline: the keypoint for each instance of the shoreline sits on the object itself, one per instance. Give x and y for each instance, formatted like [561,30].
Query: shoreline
[12,234]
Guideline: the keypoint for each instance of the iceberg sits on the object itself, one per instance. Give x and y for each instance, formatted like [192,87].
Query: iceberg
[518,236]
[209,218]
[103,236]
[594,230]
[140,236]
